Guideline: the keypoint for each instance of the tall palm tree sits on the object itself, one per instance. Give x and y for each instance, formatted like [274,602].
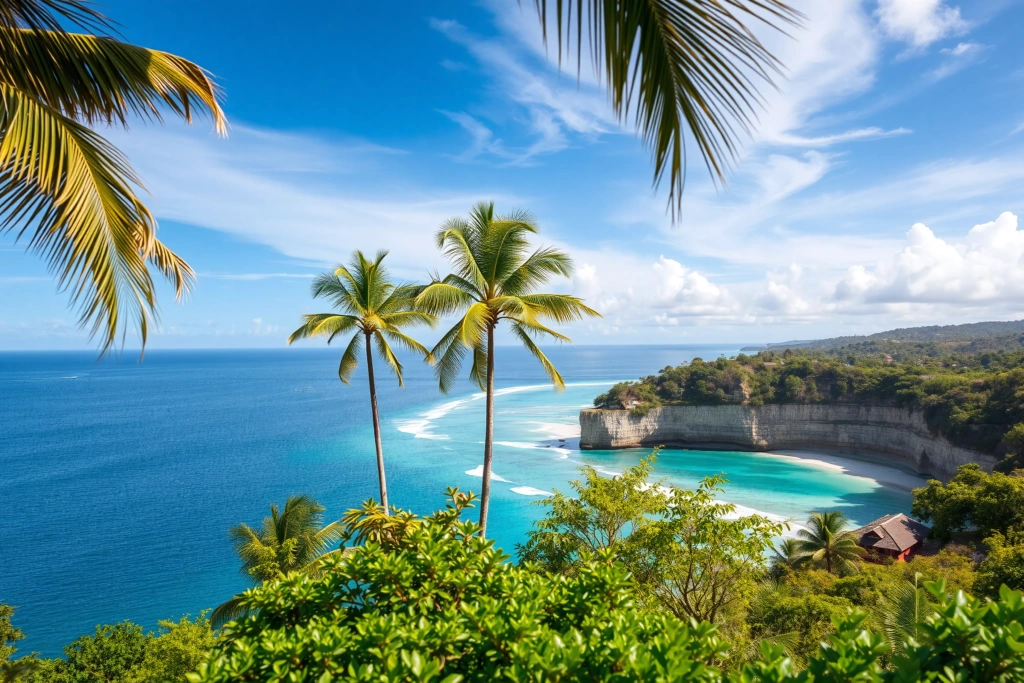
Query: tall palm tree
[376,309]
[826,541]
[64,187]
[495,275]
[289,540]
[681,64]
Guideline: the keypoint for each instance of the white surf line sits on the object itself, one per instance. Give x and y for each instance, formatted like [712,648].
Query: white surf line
[478,471]
[530,491]
[539,387]
[420,427]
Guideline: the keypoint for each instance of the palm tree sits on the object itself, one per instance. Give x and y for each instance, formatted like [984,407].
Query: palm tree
[376,309]
[63,186]
[292,540]
[495,275]
[786,554]
[684,64]
[826,541]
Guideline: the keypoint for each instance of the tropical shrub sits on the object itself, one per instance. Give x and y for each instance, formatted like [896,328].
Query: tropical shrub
[973,500]
[434,601]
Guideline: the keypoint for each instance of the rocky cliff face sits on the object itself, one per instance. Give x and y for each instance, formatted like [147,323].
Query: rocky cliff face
[895,434]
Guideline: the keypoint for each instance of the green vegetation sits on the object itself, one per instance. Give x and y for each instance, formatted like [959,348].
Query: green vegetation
[377,310]
[629,580]
[973,401]
[62,184]
[432,600]
[292,541]
[495,279]
[687,552]
[121,653]
[826,542]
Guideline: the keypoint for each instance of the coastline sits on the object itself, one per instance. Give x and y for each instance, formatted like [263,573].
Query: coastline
[862,467]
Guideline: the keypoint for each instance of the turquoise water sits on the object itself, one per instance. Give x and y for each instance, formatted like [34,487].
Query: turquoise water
[120,480]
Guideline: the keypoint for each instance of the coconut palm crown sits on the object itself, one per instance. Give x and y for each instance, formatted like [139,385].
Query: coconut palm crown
[495,277]
[63,187]
[827,542]
[375,310]
[289,540]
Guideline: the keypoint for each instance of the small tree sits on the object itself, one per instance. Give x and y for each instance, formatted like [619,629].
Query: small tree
[827,542]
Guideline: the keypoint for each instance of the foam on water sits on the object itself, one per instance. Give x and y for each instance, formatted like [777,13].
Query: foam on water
[529,491]
[478,471]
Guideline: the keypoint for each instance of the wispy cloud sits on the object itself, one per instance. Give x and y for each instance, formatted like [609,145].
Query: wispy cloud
[919,22]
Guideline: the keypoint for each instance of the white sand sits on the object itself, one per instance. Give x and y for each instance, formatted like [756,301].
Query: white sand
[882,475]
[557,430]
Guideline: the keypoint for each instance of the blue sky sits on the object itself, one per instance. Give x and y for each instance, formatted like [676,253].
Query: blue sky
[881,188]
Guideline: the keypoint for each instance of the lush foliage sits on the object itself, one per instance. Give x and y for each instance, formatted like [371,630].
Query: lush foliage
[9,635]
[431,600]
[62,185]
[827,542]
[123,653]
[291,540]
[689,553]
[973,500]
[977,402]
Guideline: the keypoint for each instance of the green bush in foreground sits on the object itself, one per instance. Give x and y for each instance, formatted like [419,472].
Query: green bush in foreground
[430,600]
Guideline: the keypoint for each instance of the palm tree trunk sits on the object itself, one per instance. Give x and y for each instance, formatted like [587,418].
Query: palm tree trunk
[376,428]
[485,490]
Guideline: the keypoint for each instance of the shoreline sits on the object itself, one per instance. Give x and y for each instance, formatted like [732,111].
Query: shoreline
[861,467]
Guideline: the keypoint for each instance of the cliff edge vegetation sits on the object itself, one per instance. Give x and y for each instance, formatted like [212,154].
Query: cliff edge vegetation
[975,401]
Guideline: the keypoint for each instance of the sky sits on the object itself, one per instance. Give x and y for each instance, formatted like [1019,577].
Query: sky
[880,189]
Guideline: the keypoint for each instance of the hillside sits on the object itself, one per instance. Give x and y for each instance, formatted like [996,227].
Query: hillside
[910,342]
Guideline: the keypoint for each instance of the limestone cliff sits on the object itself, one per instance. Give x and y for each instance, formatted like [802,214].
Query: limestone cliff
[896,434]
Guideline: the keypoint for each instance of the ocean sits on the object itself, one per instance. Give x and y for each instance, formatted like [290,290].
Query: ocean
[120,479]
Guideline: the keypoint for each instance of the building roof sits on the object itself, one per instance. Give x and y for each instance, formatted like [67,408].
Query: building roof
[892,532]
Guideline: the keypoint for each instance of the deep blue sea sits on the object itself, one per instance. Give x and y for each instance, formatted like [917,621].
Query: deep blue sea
[119,480]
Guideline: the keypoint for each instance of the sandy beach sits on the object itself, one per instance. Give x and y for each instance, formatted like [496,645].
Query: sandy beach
[883,475]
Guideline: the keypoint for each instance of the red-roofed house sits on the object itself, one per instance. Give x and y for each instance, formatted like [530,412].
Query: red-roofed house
[896,536]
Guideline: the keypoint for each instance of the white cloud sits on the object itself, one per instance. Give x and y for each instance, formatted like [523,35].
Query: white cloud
[307,197]
[985,267]
[919,22]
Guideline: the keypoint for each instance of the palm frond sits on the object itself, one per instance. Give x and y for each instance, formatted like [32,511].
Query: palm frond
[46,15]
[903,609]
[504,245]
[229,611]
[684,65]
[98,79]
[441,299]
[449,353]
[537,269]
[350,359]
[535,328]
[548,366]
[406,342]
[408,319]
[76,191]
[323,325]
[460,246]
[478,369]
[562,308]
[330,286]
[389,357]
[474,324]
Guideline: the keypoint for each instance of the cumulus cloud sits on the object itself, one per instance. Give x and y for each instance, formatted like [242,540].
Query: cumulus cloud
[919,22]
[983,268]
